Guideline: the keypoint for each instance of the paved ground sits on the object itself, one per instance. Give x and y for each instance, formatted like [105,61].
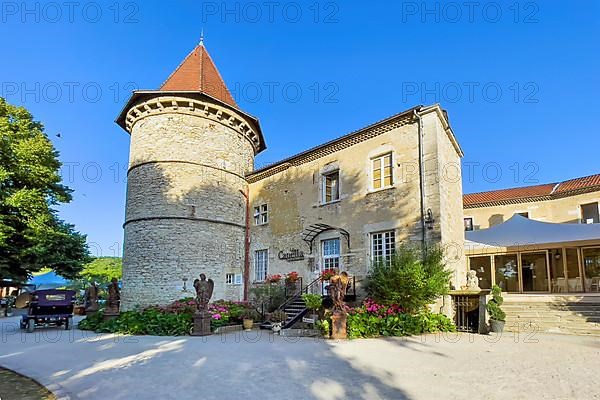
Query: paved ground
[84,365]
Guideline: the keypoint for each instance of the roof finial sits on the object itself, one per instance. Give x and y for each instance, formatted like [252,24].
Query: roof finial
[202,37]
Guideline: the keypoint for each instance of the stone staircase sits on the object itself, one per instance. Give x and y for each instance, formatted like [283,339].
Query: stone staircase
[569,314]
[295,310]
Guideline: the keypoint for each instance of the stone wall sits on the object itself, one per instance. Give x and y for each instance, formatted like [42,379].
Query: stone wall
[186,211]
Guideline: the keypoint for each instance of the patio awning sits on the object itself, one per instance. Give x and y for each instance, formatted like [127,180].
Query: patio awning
[521,231]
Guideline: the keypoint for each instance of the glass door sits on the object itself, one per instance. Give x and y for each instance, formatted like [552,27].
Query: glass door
[591,269]
[534,272]
[507,272]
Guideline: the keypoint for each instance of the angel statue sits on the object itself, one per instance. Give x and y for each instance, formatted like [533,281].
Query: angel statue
[338,286]
[204,290]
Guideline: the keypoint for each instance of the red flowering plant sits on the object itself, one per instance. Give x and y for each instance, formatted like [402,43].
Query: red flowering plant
[273,279]
[292,277]
[327,274]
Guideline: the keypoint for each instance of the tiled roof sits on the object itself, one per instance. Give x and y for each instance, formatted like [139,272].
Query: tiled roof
[532,193]
[199,73]
[578,183]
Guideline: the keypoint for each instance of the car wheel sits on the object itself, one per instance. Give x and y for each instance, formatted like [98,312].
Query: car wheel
[30,325]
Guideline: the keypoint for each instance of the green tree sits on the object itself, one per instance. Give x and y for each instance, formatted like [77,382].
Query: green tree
[412,279]
[102,270]
[31,234]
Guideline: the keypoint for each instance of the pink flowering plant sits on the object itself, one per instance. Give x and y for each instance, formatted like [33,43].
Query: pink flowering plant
[373,319]
[169,320]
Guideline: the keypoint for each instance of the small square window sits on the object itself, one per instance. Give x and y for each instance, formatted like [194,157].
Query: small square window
[468,224]
[238,279]
[261,215]
[233,279]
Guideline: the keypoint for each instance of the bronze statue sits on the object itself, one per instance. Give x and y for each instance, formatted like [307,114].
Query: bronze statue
[91,298]
[338,286]
[204,290]
[114,296]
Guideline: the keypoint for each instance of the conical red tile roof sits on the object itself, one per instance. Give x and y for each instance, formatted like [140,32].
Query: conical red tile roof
[199,73]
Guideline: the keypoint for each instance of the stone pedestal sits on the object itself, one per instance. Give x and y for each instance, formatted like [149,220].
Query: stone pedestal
[477,300]
[201,324]
[110,313]
[338,326]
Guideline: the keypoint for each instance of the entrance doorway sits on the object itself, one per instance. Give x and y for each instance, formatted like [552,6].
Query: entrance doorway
[534,272]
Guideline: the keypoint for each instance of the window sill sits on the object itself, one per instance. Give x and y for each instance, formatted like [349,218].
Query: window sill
[265,224]
[381,189]
[329,203]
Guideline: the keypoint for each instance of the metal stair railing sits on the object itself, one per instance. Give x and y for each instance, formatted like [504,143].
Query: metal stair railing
[295,298]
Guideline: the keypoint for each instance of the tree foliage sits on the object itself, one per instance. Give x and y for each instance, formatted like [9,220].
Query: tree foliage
[413,279]
[102,269]
[31,234]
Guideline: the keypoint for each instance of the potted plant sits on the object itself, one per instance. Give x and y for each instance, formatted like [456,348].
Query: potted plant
[249,315]
[313,302]
[273,279]
[497,316]
[327,274]
[278,318]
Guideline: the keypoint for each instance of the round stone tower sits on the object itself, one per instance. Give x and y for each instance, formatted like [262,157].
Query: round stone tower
[191,148]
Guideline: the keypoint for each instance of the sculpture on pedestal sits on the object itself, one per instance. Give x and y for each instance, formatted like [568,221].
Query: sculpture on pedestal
[204,291]
[114,299]
[472,281]
[338,286]
[91,298]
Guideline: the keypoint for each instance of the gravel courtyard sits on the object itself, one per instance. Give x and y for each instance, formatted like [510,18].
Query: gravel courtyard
[258,365]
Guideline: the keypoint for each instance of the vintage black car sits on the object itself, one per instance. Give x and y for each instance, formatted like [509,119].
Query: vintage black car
[49,308]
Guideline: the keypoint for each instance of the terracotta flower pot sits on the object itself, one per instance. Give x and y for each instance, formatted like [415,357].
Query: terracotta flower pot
[247,324]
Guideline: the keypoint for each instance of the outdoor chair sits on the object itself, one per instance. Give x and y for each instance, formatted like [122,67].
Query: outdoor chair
[575,285]
[595,284]
[559,285]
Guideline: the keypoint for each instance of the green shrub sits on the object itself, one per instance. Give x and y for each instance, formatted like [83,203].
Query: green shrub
[366,325]
[268,296]
[493,306]
[279,316]
[147,322]
[312,301]
[413,279]
[250,313]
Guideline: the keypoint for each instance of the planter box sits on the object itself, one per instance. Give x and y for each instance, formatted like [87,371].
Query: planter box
[233,328]
[300,332]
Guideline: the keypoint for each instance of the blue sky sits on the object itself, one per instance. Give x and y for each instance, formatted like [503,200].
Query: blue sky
[519,80]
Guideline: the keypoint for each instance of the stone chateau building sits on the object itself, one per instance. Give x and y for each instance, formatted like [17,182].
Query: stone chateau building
[195,203]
